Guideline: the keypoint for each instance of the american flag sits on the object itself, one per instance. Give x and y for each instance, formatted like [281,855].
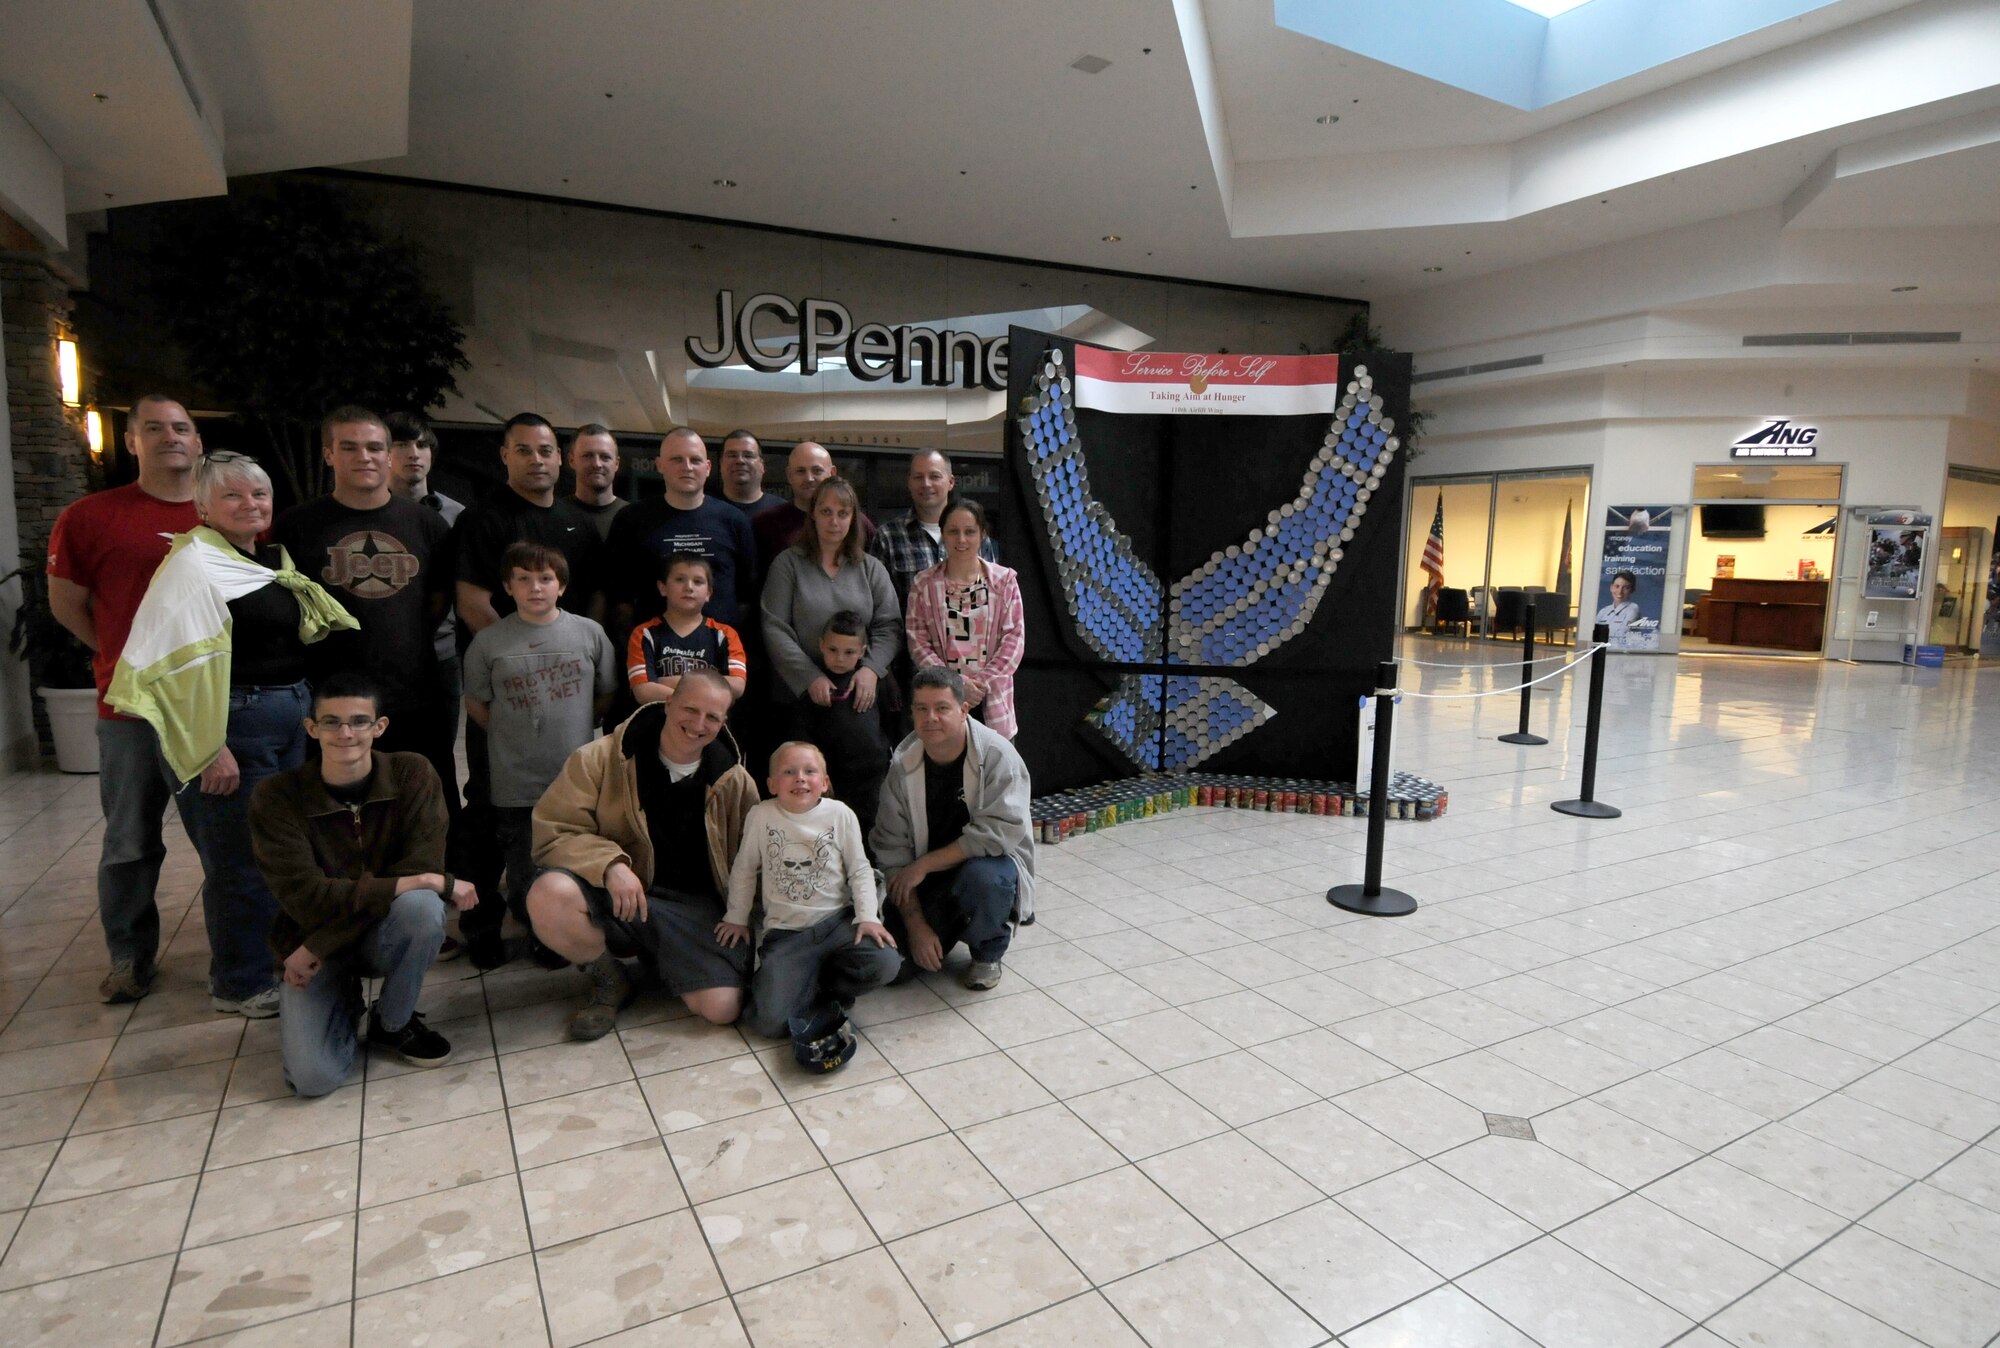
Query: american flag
[1433,562]
[1562,565]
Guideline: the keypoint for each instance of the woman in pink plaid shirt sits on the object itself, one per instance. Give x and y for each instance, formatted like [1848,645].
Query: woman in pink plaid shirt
[965,613]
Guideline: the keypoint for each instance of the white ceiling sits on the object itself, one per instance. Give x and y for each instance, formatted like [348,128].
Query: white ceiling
[962,124]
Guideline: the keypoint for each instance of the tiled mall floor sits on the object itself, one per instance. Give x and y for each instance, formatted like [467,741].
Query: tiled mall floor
[1751,1025]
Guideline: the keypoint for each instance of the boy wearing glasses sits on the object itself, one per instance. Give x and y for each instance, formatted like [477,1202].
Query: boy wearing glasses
[352,845]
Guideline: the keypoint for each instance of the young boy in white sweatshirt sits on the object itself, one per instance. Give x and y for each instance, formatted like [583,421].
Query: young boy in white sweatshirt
[822,935]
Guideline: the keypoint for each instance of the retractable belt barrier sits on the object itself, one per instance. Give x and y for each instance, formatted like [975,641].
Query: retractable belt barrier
[1369,897]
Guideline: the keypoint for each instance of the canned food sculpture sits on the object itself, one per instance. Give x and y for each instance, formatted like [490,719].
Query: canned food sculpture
[1246,601]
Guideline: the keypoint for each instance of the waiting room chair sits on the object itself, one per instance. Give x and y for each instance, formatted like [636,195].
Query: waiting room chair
[1454,609]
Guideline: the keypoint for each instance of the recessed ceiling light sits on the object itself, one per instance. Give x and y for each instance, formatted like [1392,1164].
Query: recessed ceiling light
[1113,238]
[725,182]
[1089,65]
[1433,268]
[1900,290]
[1327,118]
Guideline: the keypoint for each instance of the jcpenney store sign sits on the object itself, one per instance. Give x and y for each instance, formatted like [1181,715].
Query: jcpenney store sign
[818,332]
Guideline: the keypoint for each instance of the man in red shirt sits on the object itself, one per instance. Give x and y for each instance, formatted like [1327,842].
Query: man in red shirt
[102,556]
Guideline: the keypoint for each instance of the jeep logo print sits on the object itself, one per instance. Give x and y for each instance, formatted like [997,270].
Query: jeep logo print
[370,565]
[1777,438]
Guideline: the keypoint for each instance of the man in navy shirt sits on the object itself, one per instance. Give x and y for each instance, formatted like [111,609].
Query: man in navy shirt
[686,519]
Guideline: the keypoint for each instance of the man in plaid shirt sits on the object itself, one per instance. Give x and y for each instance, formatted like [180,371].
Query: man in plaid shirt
[912,543]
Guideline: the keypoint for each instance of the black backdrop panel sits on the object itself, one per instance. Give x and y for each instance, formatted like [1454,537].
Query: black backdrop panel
[1181,490]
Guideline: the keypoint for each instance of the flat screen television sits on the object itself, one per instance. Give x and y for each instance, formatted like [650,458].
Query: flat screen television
[1732,521]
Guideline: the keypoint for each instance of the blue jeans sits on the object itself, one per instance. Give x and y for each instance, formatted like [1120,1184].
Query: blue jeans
[316,1023]
[971,902]
[796,969]
[134,798]
[267,734]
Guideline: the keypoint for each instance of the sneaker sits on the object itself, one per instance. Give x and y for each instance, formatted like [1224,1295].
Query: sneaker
[451,949]
[416,1043]
[126,982]
[259,1006]
[982,974]
[611,991]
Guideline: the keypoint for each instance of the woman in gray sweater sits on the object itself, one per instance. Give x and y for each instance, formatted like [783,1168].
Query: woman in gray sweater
[823,573]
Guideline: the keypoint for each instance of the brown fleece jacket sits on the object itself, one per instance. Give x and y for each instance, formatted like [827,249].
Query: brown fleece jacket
[334,868]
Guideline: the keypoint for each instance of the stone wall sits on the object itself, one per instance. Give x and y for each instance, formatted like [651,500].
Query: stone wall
[51,455]
[45,440]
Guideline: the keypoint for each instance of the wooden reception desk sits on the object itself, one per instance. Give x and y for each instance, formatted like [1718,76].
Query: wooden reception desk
[1786,615]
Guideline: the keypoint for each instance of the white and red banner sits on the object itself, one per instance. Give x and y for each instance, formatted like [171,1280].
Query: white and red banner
[1169,382]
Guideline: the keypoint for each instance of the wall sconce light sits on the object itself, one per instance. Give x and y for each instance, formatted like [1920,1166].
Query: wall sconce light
[69,372]
[93,428]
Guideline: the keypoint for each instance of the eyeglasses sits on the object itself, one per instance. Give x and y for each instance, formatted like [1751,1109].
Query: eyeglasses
[330,724]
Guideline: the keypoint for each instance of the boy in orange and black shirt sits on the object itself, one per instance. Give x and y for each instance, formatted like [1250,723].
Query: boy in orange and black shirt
[662,649]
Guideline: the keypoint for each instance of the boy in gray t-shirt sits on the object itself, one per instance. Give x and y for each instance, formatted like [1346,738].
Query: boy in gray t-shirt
[537,682]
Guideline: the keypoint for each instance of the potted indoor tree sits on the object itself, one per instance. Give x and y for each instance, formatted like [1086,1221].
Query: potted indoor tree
[59,667]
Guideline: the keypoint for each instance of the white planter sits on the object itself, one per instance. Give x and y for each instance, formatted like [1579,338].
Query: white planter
[73,724]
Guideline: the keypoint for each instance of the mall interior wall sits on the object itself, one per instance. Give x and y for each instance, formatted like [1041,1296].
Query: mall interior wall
[586,313]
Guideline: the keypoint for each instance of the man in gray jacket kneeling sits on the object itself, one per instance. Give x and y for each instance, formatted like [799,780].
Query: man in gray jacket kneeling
[953,835]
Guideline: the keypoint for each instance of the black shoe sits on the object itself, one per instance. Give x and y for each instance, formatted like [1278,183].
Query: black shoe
[416,1043]
[545,957]
[487,951]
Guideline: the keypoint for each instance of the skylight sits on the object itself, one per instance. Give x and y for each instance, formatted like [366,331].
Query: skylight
[1531,53]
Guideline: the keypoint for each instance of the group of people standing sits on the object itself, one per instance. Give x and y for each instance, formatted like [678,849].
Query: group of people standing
[293,686]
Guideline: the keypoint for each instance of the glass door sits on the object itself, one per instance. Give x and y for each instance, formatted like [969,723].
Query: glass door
[1445,547]
[1497,543]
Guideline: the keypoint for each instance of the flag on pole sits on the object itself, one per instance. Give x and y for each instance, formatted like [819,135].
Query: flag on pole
[1433,562]
[1562,566]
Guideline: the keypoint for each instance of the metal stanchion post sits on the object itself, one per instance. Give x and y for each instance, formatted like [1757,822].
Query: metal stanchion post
[1522,736]
[1589,807]
[1370,897]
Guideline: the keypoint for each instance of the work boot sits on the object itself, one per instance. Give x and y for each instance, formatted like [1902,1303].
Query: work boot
[611,991]
[126,982]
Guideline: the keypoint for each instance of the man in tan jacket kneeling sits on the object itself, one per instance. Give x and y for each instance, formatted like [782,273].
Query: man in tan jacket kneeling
[637,835]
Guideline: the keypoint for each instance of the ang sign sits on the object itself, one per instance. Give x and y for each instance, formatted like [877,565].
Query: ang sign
[823,330]
[1777,438]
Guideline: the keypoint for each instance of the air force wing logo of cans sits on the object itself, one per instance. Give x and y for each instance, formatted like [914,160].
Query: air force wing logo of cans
[1240,605]
[370,565]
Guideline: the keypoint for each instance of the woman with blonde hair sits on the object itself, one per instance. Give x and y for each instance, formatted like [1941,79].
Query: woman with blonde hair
[215,664]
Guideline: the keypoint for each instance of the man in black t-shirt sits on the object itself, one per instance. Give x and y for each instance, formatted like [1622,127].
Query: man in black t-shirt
[383,557]
[526,509]
[593,458]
